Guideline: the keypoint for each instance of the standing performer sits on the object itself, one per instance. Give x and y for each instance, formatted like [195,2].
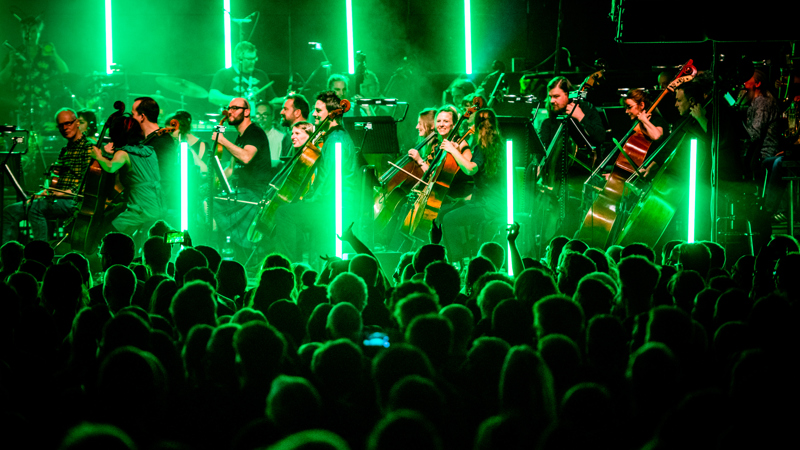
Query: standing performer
[145,111]
[295,109]
[137,164]
[33,71]
[250,175]
[54,204]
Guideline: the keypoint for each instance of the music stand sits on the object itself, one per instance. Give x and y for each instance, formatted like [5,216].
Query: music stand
[377,134]
[17,138]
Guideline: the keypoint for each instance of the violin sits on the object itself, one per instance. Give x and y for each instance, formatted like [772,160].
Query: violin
[294,180]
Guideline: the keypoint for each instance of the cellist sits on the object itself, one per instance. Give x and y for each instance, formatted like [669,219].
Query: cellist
[654,127]
[584,116]
[137,164]
[315,213]
[487,202]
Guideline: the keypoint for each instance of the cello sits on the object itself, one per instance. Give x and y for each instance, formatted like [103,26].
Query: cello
[395,185]
[294,181]
[96,190]
[599,221]
[436,182]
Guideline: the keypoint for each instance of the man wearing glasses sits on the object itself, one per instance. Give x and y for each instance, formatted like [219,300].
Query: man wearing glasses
[241,80]
[54,202]
[250,168]
[265,114]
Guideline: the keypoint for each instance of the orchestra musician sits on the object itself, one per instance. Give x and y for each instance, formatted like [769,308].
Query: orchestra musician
[653,126]
[584,115]
[137,165]
[316,211]
[249,170]
[488,199]
[265,115]
[49,203]
[33,71]
[295,109]
[145,111]
[242,79]
[87,123]
[301,131]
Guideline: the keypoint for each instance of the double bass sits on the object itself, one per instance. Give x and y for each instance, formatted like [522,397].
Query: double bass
[97,189]
[435,183]
[600,219]
[295,179]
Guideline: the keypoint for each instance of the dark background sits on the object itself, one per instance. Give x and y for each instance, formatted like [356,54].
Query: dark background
[184,38]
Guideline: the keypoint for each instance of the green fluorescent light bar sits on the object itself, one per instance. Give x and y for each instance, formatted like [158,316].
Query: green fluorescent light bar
[468,36]
[339,228]
[509,196]
[226,23]
[692,188]
[109,43]
[184,186]
[351,54]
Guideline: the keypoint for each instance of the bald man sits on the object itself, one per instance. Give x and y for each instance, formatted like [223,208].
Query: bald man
[58,201]
[249,171]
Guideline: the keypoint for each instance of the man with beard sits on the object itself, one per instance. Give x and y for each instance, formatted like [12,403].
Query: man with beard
[295,109]
[241,80]
[249,173]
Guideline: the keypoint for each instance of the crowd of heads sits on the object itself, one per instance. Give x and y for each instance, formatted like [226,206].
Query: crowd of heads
[155,347]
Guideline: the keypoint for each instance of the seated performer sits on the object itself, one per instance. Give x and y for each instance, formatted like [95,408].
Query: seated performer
[137,164]
[316,211]
[446,118]
[654,127]
[488,199]
[51,204]
[295,109]
[301,131]
[242,79]
[87,122]
[250,168]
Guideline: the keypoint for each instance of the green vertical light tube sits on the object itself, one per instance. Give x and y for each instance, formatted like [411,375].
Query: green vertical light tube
[339,215]
[692,188]
[351,53]
[509,195]
[184,186]
[468,36]
[109,41]
[226,24]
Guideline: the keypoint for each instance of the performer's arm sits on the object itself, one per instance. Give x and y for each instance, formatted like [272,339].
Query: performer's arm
[652,131]
[218,98]
[8,68]
[463,156]
[244,154]
[50,50]
[118,161]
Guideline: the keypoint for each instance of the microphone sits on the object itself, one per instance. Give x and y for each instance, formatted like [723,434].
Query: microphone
[16,52]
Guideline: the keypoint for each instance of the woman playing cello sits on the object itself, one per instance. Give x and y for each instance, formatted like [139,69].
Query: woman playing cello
[654,127]
[487,201]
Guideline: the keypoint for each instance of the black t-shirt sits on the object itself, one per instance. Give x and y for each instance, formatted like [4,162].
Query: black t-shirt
[168,167]
[228,81]
[254,175]
[591,126]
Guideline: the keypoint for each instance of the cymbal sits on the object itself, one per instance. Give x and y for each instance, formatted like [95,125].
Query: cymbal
[157,97]
[183,87]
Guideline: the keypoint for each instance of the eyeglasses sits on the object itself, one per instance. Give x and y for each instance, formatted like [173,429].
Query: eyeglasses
[235,108]
[66,124]
[254,59]
[262,114]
